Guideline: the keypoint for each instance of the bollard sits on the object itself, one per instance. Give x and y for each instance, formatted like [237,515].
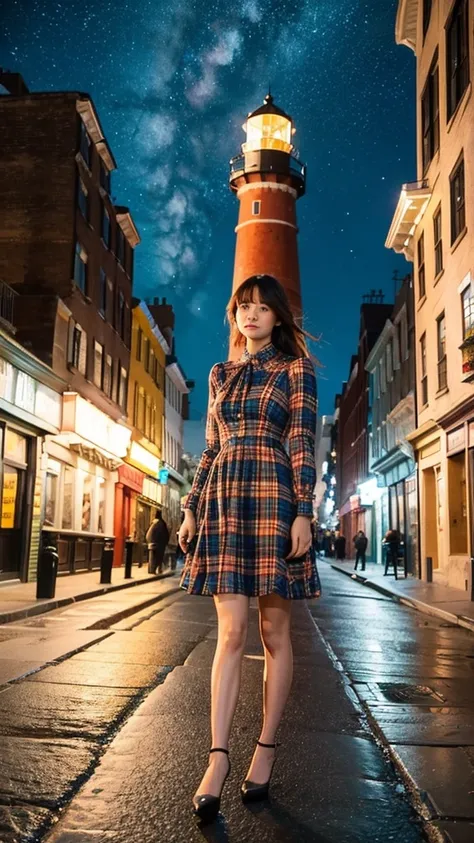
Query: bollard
[107,561]
[129,545]
[47,567]
[429,569]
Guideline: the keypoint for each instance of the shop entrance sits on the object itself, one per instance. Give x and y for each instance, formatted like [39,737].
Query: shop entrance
[433,499]
[14,509]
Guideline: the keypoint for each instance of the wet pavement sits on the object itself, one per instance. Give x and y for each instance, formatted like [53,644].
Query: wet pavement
[109,744]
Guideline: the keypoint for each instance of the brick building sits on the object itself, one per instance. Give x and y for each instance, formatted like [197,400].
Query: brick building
[67,251]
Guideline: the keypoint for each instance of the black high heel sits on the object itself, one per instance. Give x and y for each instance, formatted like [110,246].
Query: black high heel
[252,791]
[206,806]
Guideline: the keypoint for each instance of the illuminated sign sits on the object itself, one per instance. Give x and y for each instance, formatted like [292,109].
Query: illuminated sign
[94,426]
[144,459]
[164,473]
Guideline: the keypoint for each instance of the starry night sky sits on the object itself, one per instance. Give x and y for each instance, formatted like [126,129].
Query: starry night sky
[173,83]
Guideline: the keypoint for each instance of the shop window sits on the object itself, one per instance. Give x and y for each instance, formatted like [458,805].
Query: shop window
[15,448]
[457,504]
[438,242]
[101,505]
[67,498]
[86,512]
[10,494]
[51,498]
[98,364]
[458,201]
[83,199]
[457,55]
[421,266]
[80,268]
[430,116]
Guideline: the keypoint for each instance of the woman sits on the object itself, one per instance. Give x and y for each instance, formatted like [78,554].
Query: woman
[247,525]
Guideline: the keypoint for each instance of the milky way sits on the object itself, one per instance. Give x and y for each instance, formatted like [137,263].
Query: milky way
[173,84]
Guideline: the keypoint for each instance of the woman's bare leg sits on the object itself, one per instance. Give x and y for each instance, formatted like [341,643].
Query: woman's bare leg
[232,619]
[275,631]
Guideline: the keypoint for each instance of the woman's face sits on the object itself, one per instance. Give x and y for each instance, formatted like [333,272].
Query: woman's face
[255,319]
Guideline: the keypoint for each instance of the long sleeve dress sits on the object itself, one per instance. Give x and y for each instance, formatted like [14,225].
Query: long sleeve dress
[255,475]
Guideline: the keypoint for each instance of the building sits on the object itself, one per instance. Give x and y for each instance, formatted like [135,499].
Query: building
[392,417]
[68,251]
[177,390]
[433,226]
[352,475]
[30,408]
[138,493]
[267,178]
[323,499]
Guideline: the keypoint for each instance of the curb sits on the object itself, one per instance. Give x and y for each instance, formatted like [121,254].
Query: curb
[50,605]
[411,602]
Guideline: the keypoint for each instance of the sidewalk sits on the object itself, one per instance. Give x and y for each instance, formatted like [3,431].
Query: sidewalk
[451,604]
[18,600]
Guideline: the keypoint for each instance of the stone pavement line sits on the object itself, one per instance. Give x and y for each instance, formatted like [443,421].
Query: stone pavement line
[11,594]
[332,783]
[449,609]
[423,717]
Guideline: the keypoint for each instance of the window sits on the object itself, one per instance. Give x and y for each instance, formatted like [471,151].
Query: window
[77,348]
[146,354]
[467,299]
[87,489]
[389,360]
[98,364]
[438,242]
[80,268]
[458,207]
[108,375]
[104,176]
[382,375]
[83,199]
[151,363]
[426,15]
[105,232]
[457,55]
[441,336]
[153,424]
[103,293]
[139,343]
[421,266]
[101,504]
[423,370]
[120,245]
[68,498]
[85,145]
[147,417]
[430,115]
[122,388]
[256,208]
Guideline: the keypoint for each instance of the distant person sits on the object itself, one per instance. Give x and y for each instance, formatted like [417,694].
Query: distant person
[360,543]
[157,539]
[392,541]
[340,546]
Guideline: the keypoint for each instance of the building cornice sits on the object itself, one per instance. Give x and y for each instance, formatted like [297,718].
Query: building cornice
[406,23]
[154,327]
[457,415]
[86,109]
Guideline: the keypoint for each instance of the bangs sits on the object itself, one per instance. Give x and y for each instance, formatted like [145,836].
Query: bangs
[247,292]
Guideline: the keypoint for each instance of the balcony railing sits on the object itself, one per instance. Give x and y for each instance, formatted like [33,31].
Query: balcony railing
[7,300]
[237,165]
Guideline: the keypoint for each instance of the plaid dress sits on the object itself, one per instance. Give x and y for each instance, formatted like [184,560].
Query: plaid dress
[248,486]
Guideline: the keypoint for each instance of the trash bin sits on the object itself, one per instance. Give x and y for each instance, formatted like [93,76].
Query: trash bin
[47,567]
[107,561]
[129,546]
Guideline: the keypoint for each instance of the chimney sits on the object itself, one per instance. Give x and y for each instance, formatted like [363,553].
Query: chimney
[13,83]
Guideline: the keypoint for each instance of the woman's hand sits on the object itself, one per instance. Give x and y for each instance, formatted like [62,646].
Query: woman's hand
[187,531]
[301,537]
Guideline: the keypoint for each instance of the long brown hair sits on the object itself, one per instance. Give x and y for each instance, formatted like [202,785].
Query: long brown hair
[287,337]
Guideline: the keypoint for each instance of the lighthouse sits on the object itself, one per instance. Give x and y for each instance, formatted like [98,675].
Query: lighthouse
[267,178]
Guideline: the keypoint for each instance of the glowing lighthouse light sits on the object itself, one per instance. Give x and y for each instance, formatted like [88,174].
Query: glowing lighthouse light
[268,129]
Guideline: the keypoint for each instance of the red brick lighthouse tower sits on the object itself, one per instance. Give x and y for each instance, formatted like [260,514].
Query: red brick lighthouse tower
[268,178]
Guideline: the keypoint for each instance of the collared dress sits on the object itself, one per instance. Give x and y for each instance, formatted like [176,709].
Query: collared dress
[255,475]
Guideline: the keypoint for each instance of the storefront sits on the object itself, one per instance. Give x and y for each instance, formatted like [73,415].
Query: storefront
[81,473]
[138,495]
[28,410]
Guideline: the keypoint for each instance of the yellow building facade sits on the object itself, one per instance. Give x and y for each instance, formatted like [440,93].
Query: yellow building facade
[139,492]
[433,226]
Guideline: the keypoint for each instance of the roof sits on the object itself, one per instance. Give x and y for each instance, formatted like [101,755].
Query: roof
[269,107]
[406,23]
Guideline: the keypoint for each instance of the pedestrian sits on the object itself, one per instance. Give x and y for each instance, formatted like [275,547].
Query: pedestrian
[157,538]
[360,543]
[340,545]
[392,542]
[247,526]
